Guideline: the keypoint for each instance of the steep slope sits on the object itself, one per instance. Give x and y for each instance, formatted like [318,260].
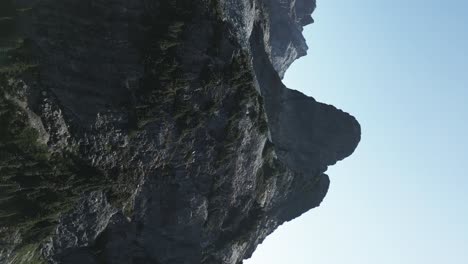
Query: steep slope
[156,131]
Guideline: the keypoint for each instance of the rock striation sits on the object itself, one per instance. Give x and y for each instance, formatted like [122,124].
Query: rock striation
[156,131]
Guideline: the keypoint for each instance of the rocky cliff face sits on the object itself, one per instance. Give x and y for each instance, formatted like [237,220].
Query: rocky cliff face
[156,131]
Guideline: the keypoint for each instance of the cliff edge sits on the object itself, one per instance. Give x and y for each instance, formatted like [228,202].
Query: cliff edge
[156,131]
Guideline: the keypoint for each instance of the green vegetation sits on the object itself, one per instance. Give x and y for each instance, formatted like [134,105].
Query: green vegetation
[36,186]
[163,91]
[14,56]
[28,254]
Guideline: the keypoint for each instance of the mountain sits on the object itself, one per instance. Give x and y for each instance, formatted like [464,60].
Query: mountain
[156,131]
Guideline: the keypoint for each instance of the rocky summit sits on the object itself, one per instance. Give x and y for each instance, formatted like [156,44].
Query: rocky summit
[156,132]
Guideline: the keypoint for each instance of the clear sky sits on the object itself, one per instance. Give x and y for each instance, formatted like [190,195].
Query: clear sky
[400,67]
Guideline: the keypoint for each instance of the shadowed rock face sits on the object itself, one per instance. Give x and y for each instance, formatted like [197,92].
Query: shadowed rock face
[157,131]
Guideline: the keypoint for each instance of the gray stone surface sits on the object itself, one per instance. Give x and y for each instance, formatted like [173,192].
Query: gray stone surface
[174,112]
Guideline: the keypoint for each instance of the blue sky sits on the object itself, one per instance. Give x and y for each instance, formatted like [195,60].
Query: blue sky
[400,67]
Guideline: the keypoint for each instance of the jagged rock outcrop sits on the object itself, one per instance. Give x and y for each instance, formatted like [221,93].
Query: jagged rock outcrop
[156,131]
